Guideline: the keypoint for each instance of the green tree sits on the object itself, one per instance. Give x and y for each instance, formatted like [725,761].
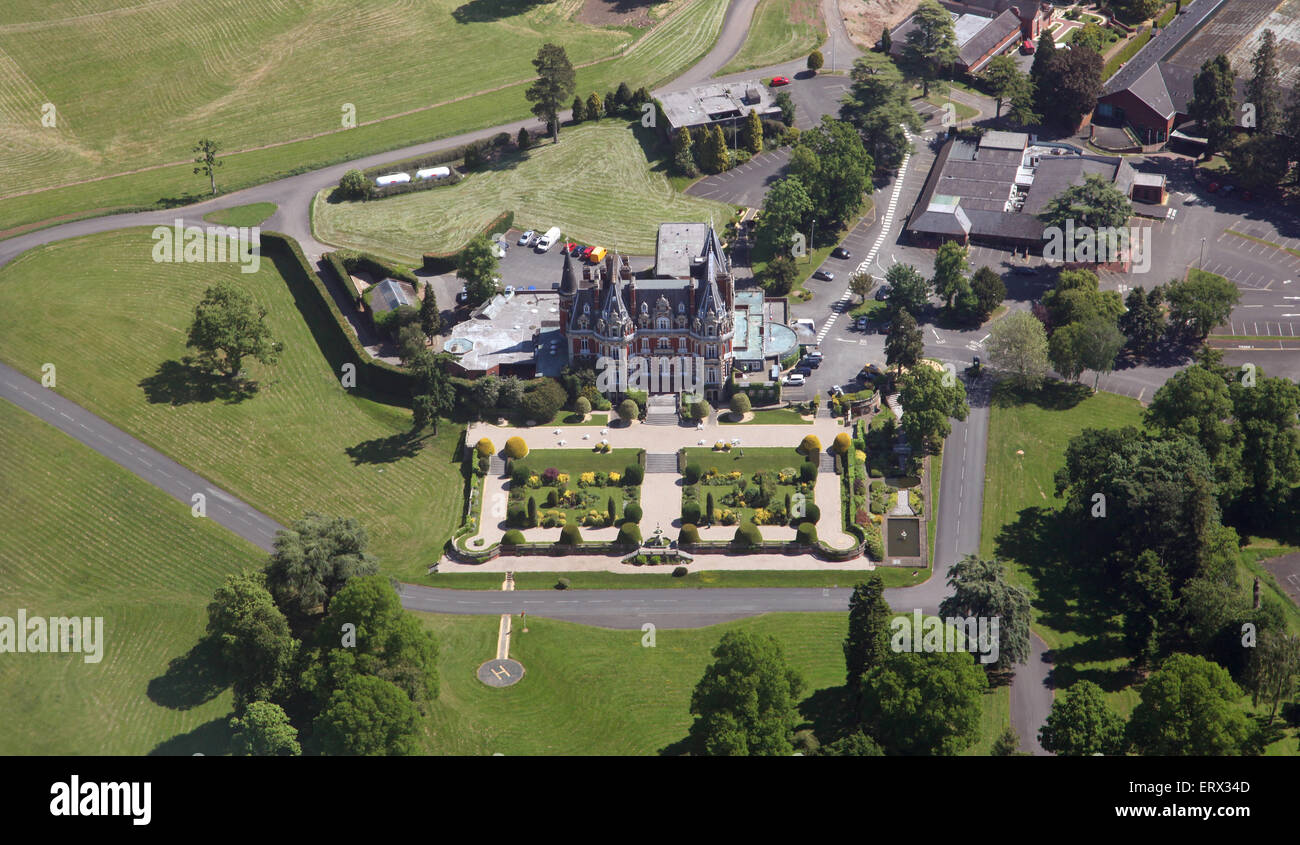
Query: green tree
[921,704]
[1065,351]
[386,641]
[989,291]
[780,274]
[1043,54]
[754,133]
[354,185]
[1189,708]
[1196,403]
[981,589]
[949,271]
[1265,415]
[206,162]
[1077,297]
[931,45]
[313,559]
[485,393]
[430,316]
[746,703]
[623,96]
[740,404]
[628,410]
[908,289]
[228,327]
[1096,203]
[835,169]
[904,344]
[1212,102]
[1007,744]
[1018,344]
[1003,79]
[1099,343]
[929,398]
[1090,37]
[860,284]
[1200,302]
[867,643]
[877,105]
[815,61]
[856,744]
[1143,323]
[252,638]
[1273,668]
[579,110]
[701,410]
[432,395]
[1264,90]
[264,731]
[683,155]
[554,85]
[785,206]
[1258,161]
[595,106]
[1082,724]
[523,140]
[368,716]
[1072,83]
[478,268]
[1023,110]
[543,400]
[886,41]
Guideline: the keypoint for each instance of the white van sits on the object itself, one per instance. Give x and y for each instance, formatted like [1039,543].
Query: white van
[548,239]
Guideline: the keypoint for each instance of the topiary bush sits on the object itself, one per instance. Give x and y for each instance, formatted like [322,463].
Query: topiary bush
[806,534]
[810,445]
[570,535]
[485,448]
[516,448]
[562,584]
[808,472]
[679,572]
[627,410]
[747,536]
[811,514]
[632,513]
[692,473]
[519,475]
[691,513]
[517,514]
[513,537]
[740,404]
[629,534]
[689,534]
[632,474]
[582,406]
[841,443]
[875,472]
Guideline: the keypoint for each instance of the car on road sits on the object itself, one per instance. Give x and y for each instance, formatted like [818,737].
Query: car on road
[841,252]
[1024,270]
[883,293]
[526,238]
[793,380]
[824,275]
[862,324]
[778,81]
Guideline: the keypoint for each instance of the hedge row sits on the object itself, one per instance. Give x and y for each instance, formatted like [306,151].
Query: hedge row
[330,328]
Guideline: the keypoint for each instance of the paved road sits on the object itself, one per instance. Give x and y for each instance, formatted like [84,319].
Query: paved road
[146,462]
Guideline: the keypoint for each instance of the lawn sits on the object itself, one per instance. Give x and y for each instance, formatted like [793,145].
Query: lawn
[136,85]
[960,110]
[594,691]
[780,30]
[871,308]
[85,537]
[596,185]
[747,462]
[573,463]
[1125,53]
[114,322]
[777,416]
[242,215]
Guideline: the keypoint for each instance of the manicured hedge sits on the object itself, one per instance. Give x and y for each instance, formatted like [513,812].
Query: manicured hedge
[329,327]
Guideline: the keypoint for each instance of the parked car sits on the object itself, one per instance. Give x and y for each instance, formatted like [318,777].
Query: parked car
[802,370]
[809,361]
[1212,187]
[778,81]
[869,372]
[1228,189]
[824,275]
[883,293]
[526,237]
[841,252]
[1027,47]
[463,295]
[586,251]
[861,324]
[597,255]
[793,380]
[836,390]
[1190,199]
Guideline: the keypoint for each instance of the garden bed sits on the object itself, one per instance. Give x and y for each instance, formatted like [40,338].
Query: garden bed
[747,485]
[573,486]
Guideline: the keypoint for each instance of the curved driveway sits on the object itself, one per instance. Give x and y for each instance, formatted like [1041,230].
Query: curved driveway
[958,530]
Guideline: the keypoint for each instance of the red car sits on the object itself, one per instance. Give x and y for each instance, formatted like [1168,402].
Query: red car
[778,81]
[1027,48]
[586,252]
[1212,187]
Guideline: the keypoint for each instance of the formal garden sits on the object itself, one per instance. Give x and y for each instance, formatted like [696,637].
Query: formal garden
[727,485]
[589,488]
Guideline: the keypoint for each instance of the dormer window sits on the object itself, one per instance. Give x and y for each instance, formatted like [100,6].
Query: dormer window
[681,308]
[661,323]
[586,307]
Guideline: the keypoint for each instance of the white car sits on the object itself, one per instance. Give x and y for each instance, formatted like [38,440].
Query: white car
[793,380]
[526,237]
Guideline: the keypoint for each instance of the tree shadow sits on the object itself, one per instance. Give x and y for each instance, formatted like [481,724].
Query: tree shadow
[387,450]
[181,383]
[211,738]
[480,11]
[193,679]
[182,199]
[1054,395]
[829,713]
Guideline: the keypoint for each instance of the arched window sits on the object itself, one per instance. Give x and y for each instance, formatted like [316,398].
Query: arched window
[661,323]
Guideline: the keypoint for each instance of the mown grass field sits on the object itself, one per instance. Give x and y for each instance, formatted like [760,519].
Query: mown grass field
[114,323]
[781,30]
[85,537]
[136,86]
[253,214]
[595,691]
[1043,429]
[596,185]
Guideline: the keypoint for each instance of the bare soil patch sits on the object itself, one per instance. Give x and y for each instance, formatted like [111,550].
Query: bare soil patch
[864,19]
[617,12]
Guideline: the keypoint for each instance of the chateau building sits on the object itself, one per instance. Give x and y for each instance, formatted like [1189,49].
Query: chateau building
[681,317]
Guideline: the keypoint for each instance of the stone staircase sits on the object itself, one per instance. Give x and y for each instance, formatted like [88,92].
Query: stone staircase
[661,410]
[827,463]
[661,462]
[496,467]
